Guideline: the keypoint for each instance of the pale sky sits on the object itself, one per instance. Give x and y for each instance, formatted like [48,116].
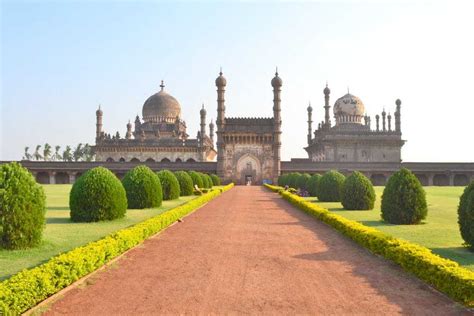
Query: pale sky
[59,60]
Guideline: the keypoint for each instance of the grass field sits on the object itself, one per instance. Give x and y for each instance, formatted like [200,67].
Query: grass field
[439,232]
[61,235]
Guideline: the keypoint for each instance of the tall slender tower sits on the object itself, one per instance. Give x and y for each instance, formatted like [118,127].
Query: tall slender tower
[310,121]
[276,84]
[98,125]
[327,120]
[211,131]
[383,120]
[221,82]
[398,116]
[203,124]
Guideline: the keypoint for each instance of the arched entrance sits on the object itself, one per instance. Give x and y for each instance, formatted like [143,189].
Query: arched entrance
[249,170]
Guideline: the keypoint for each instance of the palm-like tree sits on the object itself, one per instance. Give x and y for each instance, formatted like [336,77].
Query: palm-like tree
[57,155]
[88,152]
[27,154]
[37,154]
[78,152]
[46,151]
[67,156]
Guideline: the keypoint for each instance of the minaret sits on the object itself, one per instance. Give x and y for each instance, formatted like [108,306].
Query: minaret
[276,84]
[377,120]
[211,132]
[310,121]
[398,116]
[389,122]
[128,135]
[98,125]
[327,120]
[383,120]
[203,124]
[221,82]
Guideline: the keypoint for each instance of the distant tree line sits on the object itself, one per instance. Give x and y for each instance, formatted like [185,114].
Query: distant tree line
[82,152]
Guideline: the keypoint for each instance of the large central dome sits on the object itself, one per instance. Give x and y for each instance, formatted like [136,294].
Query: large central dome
[161,107]
[349,109]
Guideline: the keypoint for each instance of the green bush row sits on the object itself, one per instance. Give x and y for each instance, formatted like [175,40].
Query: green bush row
[443,274]
[29,287]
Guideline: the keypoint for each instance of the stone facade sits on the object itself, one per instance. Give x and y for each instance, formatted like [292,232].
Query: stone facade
[352,138]
[248,148]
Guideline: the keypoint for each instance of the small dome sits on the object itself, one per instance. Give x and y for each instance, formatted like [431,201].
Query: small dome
[349,105]
[221,81]
[326,90]
[161,105]
[203,110]
[99,111]
[310,108]
[276,81]
[398,102]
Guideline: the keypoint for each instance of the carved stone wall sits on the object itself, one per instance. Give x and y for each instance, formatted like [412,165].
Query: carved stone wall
[147,155]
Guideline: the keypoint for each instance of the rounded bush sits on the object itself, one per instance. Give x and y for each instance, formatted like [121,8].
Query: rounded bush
[358,192]
[403,199]
[97,195]
[313,183]
[302,181]
[282,180]
[143,188]
[205,181]
[466,215]
[330,186]
[293,179]
[215,180]
[185,183]
[169,184]
[209,180]
[197,180]
[22,208]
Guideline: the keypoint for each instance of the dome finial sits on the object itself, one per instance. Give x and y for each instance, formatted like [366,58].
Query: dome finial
[348,90]
[220,71]
[162,85]
[276,71]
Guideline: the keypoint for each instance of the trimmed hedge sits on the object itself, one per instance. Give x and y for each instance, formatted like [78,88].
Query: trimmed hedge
[185,183]
[313,184]
[358,192]
[22,208]
[206,180]
[466,215]
[170,185]
[97,195]
[25,289]
[330,186]
[143,188]
[443,274]
[283,180]
[197,180]
[404,199]
[302,181]
[215,180]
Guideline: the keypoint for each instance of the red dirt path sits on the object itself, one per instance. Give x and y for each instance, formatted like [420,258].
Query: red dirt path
[249,251]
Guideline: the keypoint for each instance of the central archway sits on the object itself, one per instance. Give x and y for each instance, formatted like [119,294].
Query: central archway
[248,169]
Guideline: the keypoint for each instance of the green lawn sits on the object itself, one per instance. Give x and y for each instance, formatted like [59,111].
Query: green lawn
[61,235]
[439,232]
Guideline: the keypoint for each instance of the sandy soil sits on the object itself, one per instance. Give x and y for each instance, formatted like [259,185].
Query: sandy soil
[249,252]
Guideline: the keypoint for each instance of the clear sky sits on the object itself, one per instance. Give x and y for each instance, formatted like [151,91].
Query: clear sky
[60,59]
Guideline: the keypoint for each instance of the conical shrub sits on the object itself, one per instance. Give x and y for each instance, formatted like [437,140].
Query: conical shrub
[358,192]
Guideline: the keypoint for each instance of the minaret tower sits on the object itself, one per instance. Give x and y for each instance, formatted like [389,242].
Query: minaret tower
[327,120]
[211,132]
[128,135]
[276,84]
[98,125]
[203,124]
[310,121]
[383,120]
[221,82]
[397,116]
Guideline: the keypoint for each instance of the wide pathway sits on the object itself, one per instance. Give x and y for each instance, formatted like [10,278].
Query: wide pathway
[248,251]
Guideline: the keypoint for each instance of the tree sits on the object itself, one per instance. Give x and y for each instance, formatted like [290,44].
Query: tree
[46,151]
[330,186]
[358,192]
[37,154]
[78,152]
[27,155]
[466,215]
[57,155]
[88,153]
[67,156]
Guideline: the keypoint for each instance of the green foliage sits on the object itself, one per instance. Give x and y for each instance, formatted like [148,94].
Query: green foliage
[283,180]
[169,184]
[185,183]
[29,287]
[330,186]
[143,188]
[197,180]
[205,180]
[445,275]
[302,181]
[292,179]
[97,195]
[358,192]
[22,208]
[466,215]
[403,199]
[313,184]
[215,180]
[209,181]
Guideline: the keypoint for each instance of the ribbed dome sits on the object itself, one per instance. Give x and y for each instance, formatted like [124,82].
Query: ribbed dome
[161,106]
[349,105]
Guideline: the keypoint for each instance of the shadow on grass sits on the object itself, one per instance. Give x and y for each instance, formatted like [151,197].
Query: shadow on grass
[58,208]
[58,220]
